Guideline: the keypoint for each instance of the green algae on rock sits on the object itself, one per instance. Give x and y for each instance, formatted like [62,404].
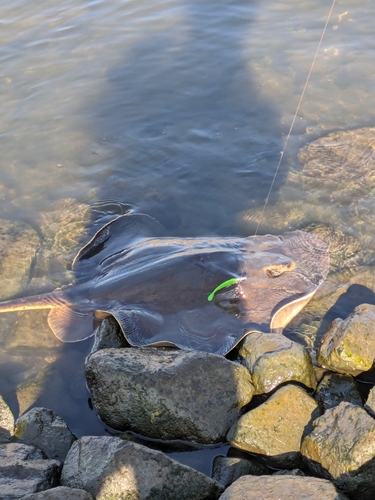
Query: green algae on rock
[349,345]
[341,447]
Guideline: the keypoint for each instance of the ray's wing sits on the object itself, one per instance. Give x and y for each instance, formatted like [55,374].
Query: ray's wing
[112,240]
[71,325]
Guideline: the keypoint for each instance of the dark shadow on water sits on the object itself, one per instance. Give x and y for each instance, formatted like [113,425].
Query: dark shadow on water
[194,140]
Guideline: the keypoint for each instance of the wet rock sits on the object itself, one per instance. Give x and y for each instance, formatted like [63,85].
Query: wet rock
[273,360]
[336,297]
[108,335]
[23,470]
[281,488]
[226,470]
[275,428]
[175,394]
[46,430]
[335,388]
[19,451]
[292,472]
[109,467]
[349,345]
[60,493]
[18,246]
[341,448]
[370,402]
[6,422]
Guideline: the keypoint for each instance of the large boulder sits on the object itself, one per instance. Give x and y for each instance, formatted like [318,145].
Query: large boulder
[109,468]
[189,395]
[275,428]
[341,447]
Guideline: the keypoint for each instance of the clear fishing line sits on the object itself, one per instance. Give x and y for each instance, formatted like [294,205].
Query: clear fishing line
[295,115]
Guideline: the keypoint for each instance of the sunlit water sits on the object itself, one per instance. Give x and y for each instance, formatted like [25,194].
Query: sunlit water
[179,109]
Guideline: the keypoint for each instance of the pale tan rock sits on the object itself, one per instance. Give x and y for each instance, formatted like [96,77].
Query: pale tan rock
[341,447]
[281,488]
[275,428]
[274,359]
[349,345]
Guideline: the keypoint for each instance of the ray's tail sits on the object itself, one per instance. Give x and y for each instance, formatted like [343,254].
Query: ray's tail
[42,301]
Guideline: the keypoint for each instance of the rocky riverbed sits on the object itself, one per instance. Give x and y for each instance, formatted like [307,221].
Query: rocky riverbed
[296,430]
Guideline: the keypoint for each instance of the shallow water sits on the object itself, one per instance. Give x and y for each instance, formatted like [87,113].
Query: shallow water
[177,109]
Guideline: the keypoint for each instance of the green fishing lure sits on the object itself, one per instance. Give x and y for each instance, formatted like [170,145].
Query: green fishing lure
[225,284]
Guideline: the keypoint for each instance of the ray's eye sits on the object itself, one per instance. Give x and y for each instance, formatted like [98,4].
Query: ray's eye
[277,270]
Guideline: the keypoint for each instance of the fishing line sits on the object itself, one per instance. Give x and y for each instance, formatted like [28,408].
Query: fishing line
[295,115]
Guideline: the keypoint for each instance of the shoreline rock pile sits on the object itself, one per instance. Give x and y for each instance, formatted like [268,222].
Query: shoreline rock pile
[296,432]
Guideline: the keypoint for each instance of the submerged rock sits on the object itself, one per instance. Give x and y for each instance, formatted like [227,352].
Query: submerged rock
[344,251]
[340,165]
[341,448]
[275,428]
[282,488]
[6,422]
[18,245]
[109,467]
[173,394]
[273,360]
[335,388]
[23,470]
[349,345]
[46,430]
[64,227]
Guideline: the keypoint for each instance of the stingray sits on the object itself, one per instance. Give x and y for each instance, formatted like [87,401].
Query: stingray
[193,293]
